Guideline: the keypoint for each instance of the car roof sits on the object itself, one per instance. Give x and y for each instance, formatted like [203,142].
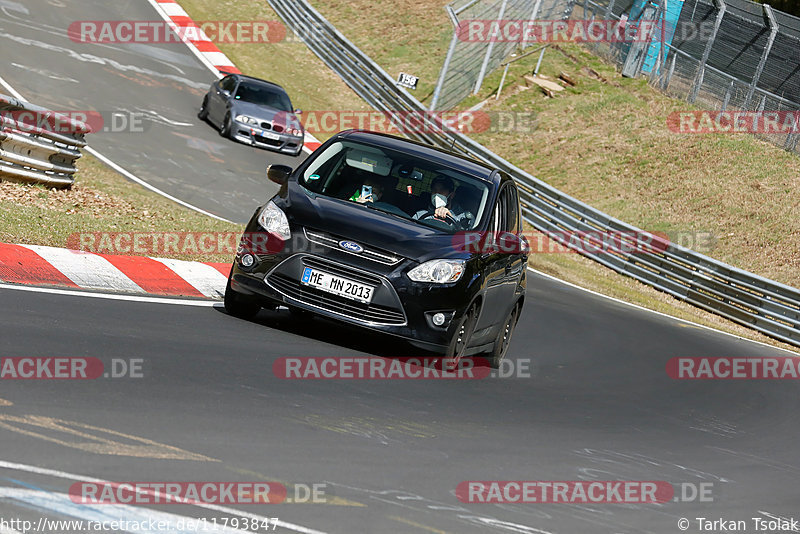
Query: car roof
[455,161]
[258,80]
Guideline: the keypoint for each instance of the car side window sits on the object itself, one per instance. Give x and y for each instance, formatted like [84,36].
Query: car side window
[512,210]
[228,84]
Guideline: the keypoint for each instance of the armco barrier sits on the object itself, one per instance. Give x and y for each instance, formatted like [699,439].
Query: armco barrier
[38,145]
[764,305]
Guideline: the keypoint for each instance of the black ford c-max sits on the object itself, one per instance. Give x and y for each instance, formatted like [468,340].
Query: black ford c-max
[391,235]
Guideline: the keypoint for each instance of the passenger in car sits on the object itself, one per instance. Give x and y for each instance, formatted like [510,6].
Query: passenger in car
[375,196]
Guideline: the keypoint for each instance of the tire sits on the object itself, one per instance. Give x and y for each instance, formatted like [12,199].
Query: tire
[460,340]
[238,306]
[225,131]
[503,338]
[203,113]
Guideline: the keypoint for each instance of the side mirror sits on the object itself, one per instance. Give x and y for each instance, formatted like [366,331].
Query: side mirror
[298,112]
[279,173]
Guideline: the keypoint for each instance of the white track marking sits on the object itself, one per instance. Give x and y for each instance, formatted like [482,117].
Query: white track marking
[110,296]
[223,509]
[87,270]
[206,279]
[152,188]
[122,171]
[193,49]
[173,10]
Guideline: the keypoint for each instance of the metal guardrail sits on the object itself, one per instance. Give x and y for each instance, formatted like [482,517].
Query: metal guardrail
[38,145]
[764,305]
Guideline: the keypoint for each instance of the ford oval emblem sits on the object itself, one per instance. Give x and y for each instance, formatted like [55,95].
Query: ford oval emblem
[351,247]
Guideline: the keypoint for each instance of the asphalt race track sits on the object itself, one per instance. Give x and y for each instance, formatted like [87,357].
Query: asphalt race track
[598,405]
[588,397]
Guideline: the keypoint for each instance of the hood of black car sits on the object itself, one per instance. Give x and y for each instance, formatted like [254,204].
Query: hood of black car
[366,226]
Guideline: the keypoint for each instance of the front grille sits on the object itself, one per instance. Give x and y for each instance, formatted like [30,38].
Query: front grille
[370,253]
[264,140]
[266,125]
[372,313]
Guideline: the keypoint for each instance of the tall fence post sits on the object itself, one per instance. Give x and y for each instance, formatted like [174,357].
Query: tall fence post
[443,73]
[773,31]
[534,14]
[670,71]
[721,7]
[489,49]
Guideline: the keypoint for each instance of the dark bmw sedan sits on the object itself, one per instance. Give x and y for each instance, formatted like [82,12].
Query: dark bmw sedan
[390,235]
[253,111]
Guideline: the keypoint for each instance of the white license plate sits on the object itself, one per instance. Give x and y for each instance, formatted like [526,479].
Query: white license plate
[270,135]
[337,285]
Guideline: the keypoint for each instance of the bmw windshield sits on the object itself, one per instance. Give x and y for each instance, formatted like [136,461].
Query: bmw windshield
[263,95]
[404,185]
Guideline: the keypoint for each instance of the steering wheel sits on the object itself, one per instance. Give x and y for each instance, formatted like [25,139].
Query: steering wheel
[431,214]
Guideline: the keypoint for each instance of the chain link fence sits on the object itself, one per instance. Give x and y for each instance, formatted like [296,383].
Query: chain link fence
[720,55]
[468,62]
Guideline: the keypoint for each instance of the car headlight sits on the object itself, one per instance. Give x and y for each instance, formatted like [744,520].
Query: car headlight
[438,271]
[274,221]
[295,132]
[244,119]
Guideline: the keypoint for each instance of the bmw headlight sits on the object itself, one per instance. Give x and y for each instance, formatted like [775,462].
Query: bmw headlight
[244,119]
[274,221]
[438,271]
[297,132]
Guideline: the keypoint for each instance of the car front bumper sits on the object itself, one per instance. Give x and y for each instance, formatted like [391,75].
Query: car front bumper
[258,137]
[398,307]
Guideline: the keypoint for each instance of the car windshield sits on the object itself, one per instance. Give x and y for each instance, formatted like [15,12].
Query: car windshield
[263,95]
[416,189]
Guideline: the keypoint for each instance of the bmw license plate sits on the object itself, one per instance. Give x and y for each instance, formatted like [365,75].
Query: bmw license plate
[337,285]
[270,135]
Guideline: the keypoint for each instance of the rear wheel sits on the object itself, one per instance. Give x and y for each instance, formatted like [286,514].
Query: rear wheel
[238,305]
[503,338]
[460,340]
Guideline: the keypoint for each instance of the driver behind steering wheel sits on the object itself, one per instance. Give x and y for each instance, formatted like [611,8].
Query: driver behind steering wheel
[442,205]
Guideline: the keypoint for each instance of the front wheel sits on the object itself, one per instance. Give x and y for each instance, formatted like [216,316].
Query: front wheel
[503,338]
[203,113]
[238,306]
[460,340]
[225,131]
